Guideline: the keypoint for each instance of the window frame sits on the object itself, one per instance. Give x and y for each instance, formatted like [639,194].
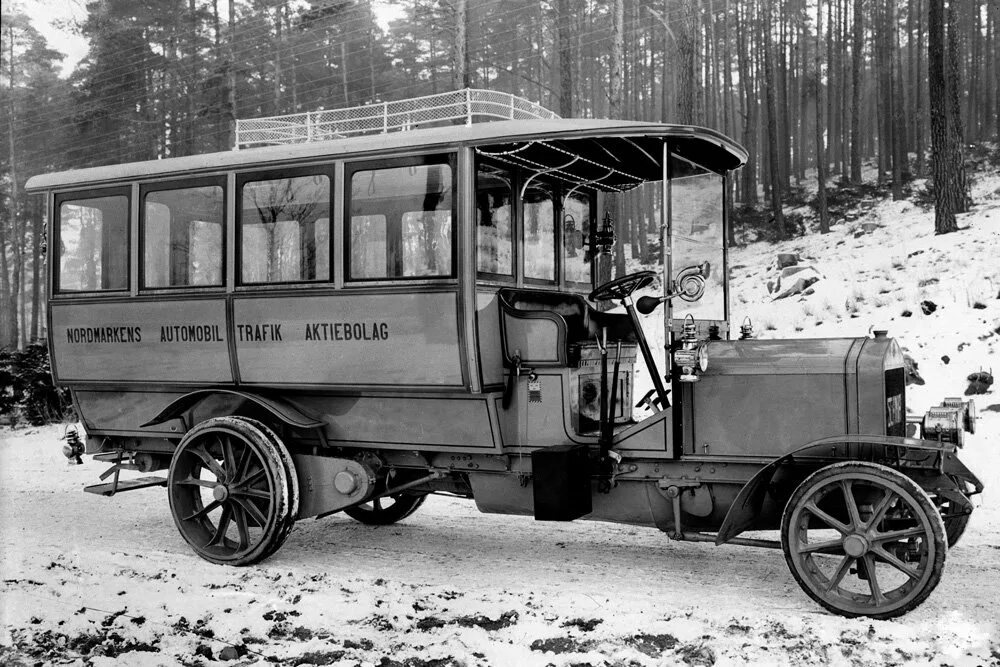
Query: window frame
[555,188]
[592,212]
[91,193]
[244,177]
[351,168]
[181,184]
[515,254]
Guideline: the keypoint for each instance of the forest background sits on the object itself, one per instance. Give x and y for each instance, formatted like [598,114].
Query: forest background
[844,94]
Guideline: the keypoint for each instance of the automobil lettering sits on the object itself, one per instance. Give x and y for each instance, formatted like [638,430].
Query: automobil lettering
[191,333]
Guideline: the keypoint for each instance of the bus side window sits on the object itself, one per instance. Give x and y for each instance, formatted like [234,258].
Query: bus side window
[285,229]
[93,243]
[539,234]
[182,232]
[400,223]
[494,221]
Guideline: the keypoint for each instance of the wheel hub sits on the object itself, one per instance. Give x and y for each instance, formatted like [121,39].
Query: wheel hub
[855,546]
[220,492]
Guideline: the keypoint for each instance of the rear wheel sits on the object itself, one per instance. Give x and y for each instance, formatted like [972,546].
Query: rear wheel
[232,491]
[862,539]
[387,510]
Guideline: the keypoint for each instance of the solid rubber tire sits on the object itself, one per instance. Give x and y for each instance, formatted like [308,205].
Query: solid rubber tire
[936,525]
[263,441]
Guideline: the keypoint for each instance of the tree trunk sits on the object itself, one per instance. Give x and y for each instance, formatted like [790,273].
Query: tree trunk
[277,58]
[36,265]
[685,63]
[947,189]
[343,71]
[616,107]
[231,72]
[956,131]
[10,282]
[748,175]
[821,162]
[460,64]
[565,41]
[897,120]
[773,157]
[921,119]
[856,52]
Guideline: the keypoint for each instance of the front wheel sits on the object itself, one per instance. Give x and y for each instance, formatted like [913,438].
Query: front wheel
[862,539]
[387,510]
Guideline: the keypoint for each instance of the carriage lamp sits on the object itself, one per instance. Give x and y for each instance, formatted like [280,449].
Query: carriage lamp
[746,329]
[692,356]
[73,449]
[950,421]
[603,239]
[967,409]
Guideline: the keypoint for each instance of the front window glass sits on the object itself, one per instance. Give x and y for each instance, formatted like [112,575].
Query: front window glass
[576,223]
[494,221]
[93,244]
[698,236]
[539,233]
[400,222]
[182,237]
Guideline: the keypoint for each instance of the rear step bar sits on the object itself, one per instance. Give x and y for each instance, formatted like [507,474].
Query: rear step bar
[117,486]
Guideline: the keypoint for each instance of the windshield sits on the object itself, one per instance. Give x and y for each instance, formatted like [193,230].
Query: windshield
[698,236]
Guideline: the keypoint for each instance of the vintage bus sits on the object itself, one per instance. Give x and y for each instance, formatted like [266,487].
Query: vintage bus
[352,321]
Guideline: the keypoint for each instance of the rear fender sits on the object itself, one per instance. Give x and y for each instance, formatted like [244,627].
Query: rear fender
[747,505]
[280,409]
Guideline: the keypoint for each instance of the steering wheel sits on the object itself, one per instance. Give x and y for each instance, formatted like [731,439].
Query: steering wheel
[619,288]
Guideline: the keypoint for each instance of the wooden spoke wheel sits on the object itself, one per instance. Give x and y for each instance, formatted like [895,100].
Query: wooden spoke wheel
[862,539]
[232,490]
[383,511]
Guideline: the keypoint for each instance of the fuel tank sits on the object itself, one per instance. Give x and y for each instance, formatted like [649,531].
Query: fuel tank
[768,397]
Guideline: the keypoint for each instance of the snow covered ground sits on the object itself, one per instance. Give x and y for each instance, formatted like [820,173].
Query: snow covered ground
[99,581]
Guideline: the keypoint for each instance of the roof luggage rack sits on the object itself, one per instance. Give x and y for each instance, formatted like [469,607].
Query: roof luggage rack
[466,106]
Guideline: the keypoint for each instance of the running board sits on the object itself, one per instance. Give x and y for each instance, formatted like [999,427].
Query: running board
[111,488]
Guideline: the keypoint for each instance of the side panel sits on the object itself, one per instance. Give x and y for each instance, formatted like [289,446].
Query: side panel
[349,339]
[410,422]
[123,411]
[765,415]
[141,341]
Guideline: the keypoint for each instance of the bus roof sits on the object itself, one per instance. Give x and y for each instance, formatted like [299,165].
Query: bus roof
[607,145]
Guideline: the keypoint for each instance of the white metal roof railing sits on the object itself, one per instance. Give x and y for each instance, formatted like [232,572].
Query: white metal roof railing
[469,105]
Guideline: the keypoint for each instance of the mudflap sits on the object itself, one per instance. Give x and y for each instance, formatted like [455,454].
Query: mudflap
[747,506]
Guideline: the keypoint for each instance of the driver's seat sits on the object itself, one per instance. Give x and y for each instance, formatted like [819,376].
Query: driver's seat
[544,328]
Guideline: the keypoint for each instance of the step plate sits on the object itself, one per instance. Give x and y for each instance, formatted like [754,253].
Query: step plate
[125,485]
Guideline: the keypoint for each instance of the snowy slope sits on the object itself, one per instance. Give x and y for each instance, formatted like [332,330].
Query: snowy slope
[102,581]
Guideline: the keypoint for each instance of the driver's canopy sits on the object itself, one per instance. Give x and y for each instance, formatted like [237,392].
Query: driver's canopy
[549,192]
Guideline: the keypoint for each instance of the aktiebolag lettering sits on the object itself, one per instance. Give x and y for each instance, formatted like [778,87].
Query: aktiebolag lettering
[104,335]
[346,331]
[191,333]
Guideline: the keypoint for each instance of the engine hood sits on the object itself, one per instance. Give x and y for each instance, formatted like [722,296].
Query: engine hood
[797,356]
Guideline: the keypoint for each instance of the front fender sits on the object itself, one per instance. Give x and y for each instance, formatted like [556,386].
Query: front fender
[747,505]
